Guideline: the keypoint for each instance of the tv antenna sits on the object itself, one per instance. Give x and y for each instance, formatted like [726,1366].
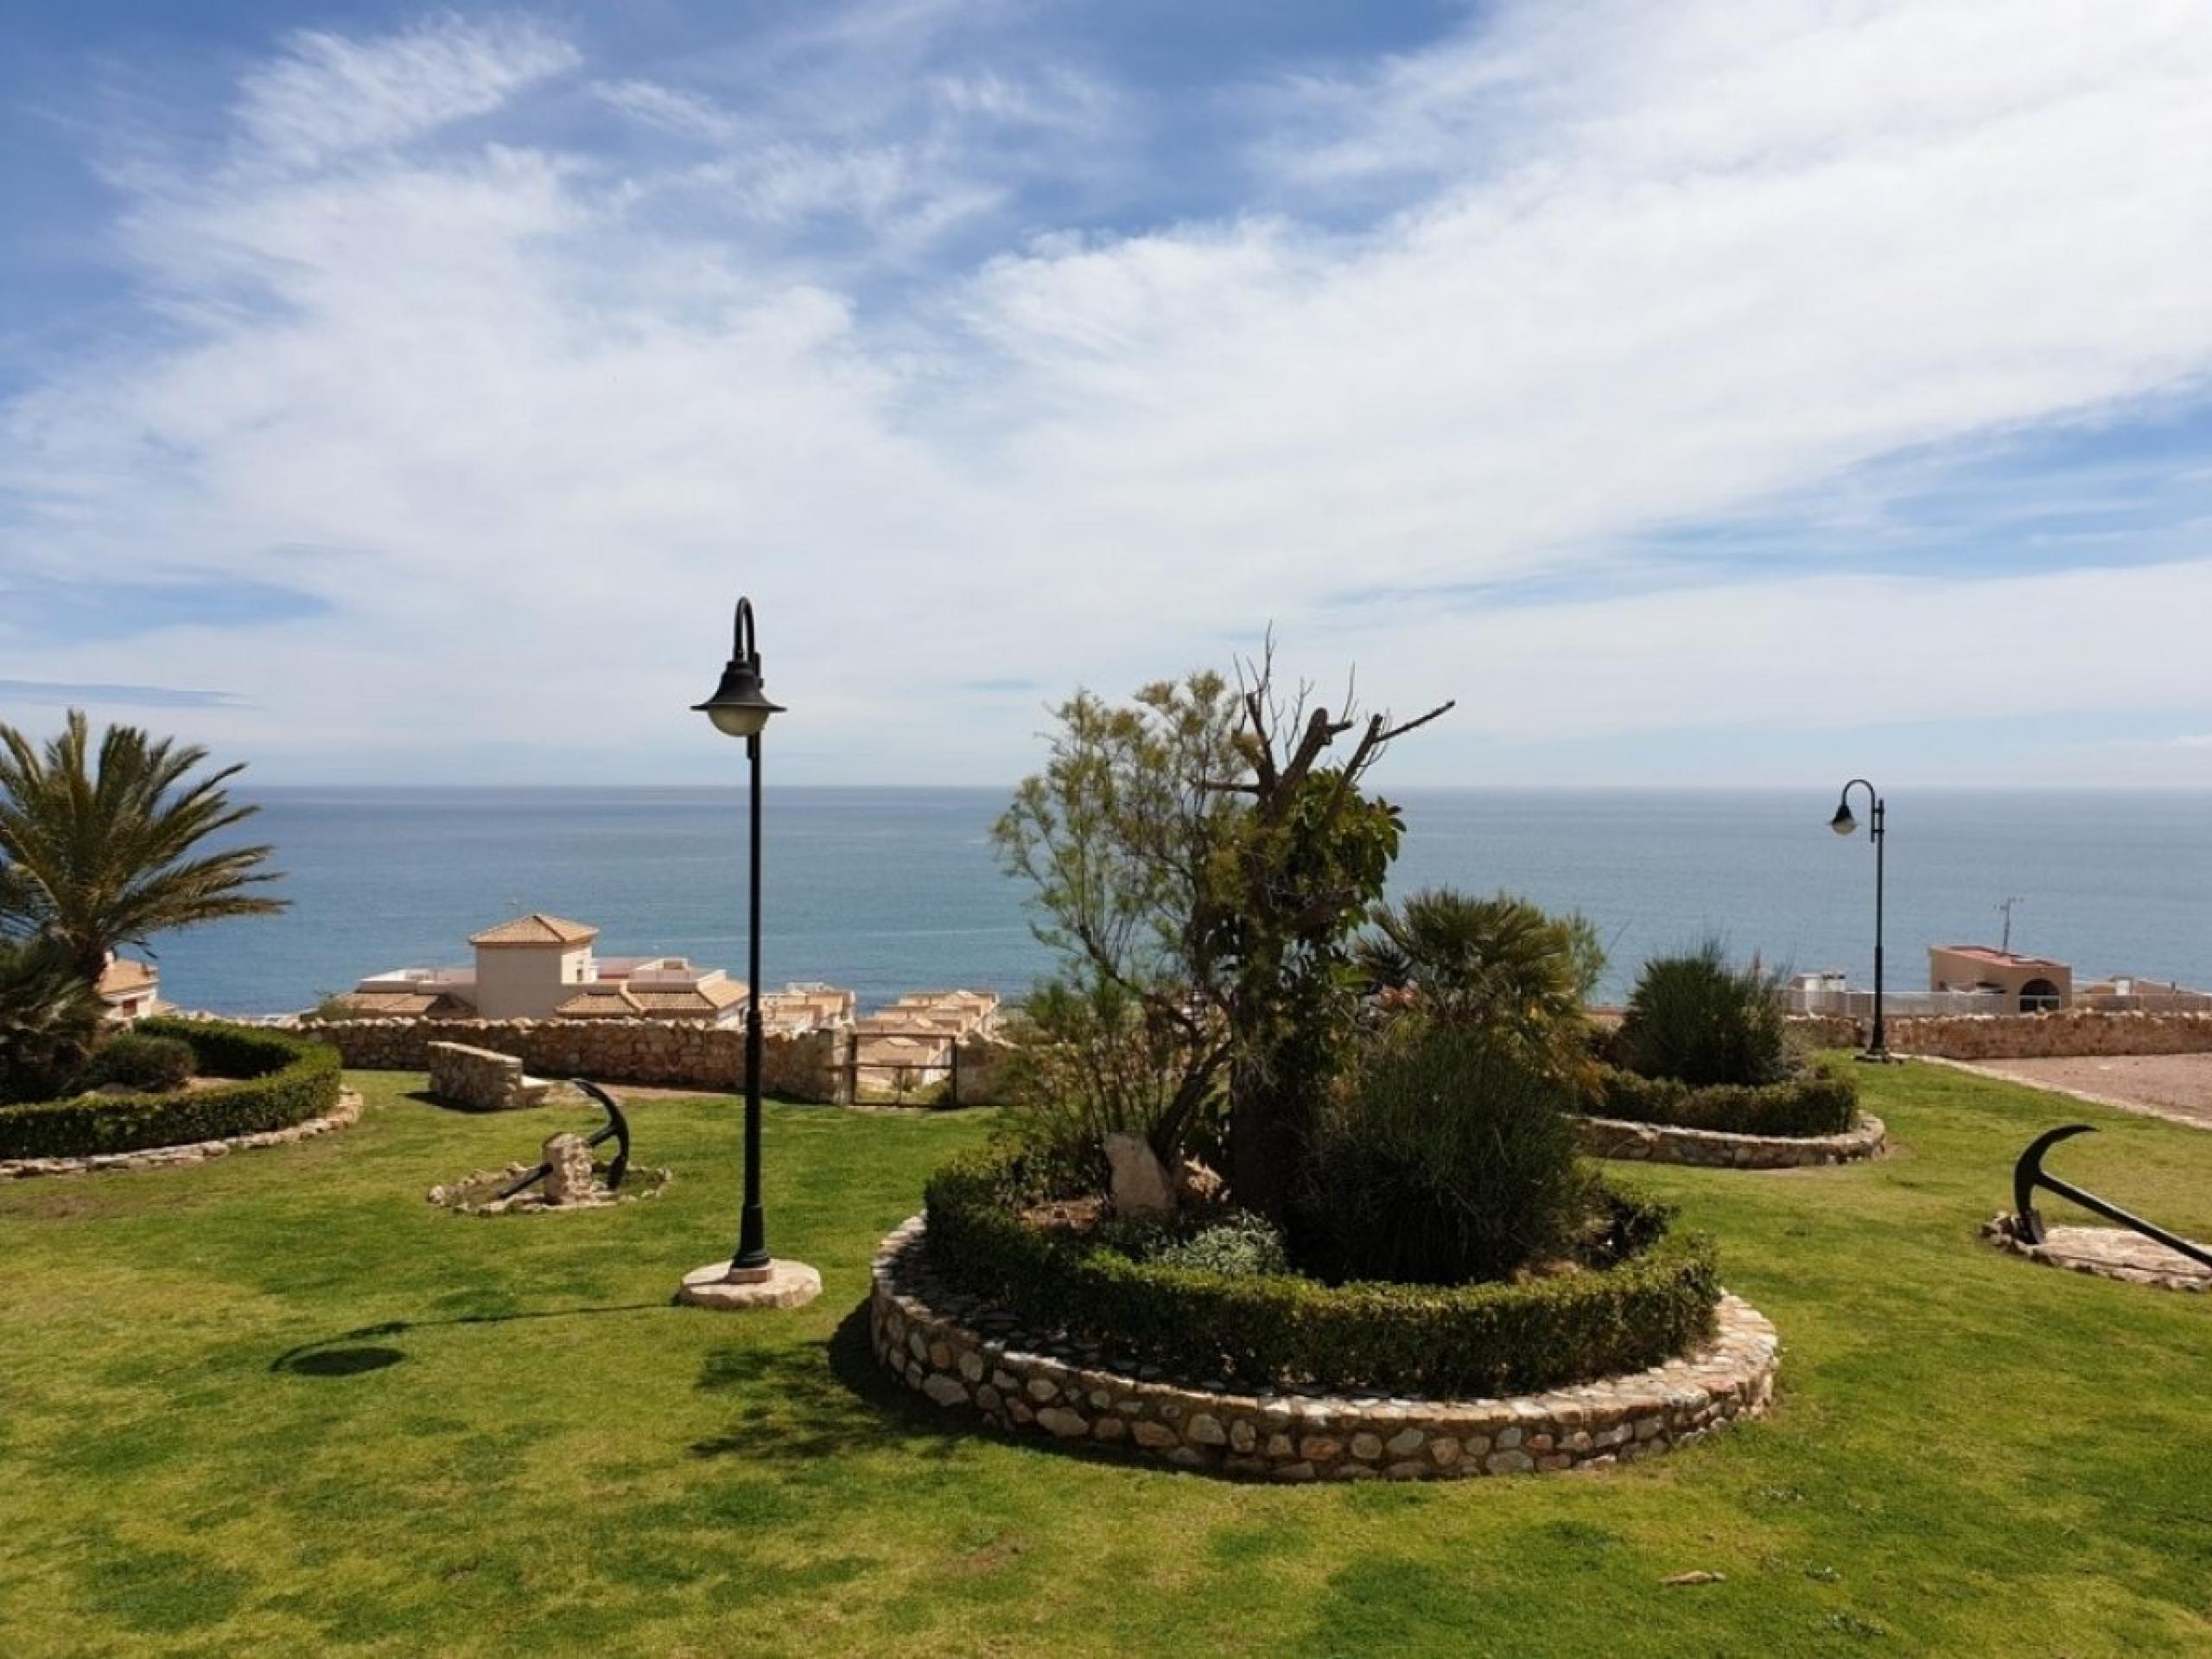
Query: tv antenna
[2004,907]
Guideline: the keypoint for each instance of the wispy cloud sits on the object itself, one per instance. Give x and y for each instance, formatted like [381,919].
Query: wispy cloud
[1515,317]
[64,693]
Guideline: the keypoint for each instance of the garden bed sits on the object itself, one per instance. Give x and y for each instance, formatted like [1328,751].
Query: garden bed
[1659,1143]
[966,1353]
[268,1083]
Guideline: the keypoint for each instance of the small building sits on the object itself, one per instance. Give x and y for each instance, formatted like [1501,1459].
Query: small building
[2016,983]
[542,967]
[129,989]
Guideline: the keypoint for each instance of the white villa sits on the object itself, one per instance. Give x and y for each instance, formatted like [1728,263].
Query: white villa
[542,967]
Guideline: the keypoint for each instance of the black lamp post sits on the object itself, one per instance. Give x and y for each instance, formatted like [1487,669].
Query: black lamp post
[1843,824]
[740,707]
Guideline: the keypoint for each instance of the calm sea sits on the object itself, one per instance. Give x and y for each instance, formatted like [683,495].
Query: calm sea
[888,890]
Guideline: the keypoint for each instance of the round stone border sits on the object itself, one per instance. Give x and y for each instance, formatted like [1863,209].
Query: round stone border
[640,1183]
[342,1115]
[2105,1252]
[1663,1143]
[933,1341]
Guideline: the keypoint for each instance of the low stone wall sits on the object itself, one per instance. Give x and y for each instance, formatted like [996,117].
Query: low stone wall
[2107,1252]
[2072,1035]
[482,1078]
[1662,1143]
[965,1357]
[197,1152]
[662,1053]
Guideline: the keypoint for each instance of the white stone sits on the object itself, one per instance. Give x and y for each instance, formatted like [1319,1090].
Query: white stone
[788,1284]
[1140,1184]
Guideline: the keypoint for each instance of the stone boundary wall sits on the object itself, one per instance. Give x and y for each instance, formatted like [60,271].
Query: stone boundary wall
[2075,1033]
[482,1077]
[663,1053]
[1662,1143]
[342,1115]
[959,1353]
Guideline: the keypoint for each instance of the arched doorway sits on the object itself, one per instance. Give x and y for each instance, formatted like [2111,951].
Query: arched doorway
[2039,997]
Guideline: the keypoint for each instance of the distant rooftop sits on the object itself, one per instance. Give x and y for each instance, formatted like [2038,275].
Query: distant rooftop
[2002,959]
[536,928]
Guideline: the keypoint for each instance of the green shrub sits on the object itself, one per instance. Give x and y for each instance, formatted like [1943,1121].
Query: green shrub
[1821,1100]
[279,1080]
[1276,1329]
[1451,1157]
[1695,1019]
[139,1059]
[1235,1242]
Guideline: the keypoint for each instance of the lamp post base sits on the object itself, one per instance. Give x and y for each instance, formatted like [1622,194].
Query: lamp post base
[780,1284]
[1879,1056]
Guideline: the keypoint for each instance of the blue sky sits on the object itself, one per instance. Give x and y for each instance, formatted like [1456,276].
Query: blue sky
[1699,393]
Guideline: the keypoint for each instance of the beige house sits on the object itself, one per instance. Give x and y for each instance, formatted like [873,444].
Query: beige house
[129,989]
[542,967]
[2018,984]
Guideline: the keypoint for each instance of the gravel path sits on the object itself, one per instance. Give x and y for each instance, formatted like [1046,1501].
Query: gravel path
[2174,1086]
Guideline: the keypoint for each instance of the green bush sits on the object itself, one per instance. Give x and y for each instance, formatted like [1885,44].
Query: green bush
[139,1059]
[1451,1156]
[279,1080]
[1821,1100]
[1234,1241]
[1695,1019]
[1276,1329]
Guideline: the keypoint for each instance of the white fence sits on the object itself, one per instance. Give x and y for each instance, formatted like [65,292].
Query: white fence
[1906,1004]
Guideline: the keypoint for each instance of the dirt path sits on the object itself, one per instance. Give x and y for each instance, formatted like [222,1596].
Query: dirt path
[2176,1087]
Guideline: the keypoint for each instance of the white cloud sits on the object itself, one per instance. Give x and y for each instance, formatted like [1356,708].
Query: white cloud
[1649,267]
[328,94]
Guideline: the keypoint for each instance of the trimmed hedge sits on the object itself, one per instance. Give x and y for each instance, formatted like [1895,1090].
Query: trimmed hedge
[1261,1332]
[1820,1101]
[280,1080]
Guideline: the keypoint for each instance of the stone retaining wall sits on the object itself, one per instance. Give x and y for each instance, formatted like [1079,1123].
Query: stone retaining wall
[197,1152]
[1662,1143]
[482,1078]
[2072,1035]
[663,1053]
[965,1357]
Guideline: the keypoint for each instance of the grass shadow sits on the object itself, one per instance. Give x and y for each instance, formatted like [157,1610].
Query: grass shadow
[317,1358]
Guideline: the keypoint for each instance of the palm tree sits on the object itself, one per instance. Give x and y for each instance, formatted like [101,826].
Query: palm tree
[1501,962]
[49,1017]
[96,851]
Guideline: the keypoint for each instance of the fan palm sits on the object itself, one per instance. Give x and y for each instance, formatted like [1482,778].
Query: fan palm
[1501,962]
[97,848]
[48,1019]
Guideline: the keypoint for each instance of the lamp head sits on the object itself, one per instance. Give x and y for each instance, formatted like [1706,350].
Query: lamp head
[1843,824]
[740,707]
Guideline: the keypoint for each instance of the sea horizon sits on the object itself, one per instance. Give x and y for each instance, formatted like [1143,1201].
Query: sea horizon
[892,887]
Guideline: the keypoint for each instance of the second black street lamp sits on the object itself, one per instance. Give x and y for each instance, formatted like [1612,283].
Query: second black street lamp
[1843,824]
[750,1278]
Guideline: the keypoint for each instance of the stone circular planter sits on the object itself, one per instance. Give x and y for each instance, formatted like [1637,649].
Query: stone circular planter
[961,1354]
[2108,1252]
[197,1152]
[1662,1143]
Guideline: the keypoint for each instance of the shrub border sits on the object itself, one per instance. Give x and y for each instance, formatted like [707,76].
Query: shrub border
[284,1082]
[1262,1330]
[957,1351]
[1819,1103]
[344,1114]
[1661,1143]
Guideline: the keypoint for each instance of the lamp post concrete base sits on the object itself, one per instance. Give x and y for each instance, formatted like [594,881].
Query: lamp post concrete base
[780,1284]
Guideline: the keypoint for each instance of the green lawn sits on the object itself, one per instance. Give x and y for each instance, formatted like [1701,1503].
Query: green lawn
[278,1404]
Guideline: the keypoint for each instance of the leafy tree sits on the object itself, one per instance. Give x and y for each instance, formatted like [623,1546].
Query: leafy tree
[97,848]
[1194,851]
[49,1019]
